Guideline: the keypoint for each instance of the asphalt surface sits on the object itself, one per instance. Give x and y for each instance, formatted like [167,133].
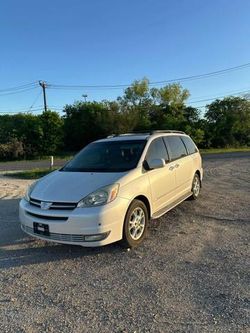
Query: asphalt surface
[190,275]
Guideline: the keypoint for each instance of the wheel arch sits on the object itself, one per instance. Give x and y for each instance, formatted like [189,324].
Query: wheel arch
[199,174]
[145,200]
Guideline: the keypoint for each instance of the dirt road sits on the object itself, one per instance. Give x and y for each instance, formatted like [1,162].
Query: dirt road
[191,274]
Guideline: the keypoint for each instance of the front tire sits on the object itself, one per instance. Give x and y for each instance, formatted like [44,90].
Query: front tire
[196,187]
[135,224]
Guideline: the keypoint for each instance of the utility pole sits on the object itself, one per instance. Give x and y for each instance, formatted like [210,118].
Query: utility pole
[43,85]
[85,97]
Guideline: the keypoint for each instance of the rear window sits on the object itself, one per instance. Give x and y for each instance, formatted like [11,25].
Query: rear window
[176,147]
[189,144]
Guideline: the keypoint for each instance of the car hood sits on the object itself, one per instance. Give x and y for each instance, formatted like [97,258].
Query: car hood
[61,186]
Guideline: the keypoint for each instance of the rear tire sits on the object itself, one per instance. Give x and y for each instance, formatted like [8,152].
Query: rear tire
[196,187]
[135,224]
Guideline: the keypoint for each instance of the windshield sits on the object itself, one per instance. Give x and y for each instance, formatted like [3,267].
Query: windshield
[110,156]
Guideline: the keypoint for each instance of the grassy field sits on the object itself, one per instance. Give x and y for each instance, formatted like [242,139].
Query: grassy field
[223,150]
[42,158]
[29,174]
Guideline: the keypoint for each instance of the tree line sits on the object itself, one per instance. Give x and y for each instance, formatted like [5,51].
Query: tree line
[225,123]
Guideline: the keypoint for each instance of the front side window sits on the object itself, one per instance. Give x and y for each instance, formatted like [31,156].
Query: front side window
[157,150]
[176,147]
[109,156]
[189,144]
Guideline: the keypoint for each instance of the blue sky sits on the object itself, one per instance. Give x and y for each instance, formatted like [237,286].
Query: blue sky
[117,41]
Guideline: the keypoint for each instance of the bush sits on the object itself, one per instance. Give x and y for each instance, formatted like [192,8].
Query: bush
[12,150]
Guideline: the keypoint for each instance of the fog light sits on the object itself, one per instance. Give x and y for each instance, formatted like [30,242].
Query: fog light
[97,237]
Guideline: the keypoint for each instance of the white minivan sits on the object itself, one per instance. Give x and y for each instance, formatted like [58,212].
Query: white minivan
[111,189]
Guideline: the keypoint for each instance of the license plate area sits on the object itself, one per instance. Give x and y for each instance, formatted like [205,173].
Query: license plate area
[41,229]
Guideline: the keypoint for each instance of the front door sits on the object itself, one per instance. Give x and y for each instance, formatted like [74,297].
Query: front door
[162,180]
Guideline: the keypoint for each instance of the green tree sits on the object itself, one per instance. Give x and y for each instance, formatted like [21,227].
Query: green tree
[169,111]
[172,95]
[153,108]
[140,108]
[85,122]
[135,104]
[24,128]
[52,132]
[137,94]
[229,122]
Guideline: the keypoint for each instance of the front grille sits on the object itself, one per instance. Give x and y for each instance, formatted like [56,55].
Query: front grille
[55,205]
[48,218]
[56,236]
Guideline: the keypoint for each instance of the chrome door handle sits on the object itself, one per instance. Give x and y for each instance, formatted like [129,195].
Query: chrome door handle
[171,168]
[177,165]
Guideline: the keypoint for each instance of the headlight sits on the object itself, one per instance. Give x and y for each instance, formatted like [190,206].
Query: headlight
[29,190]
[100,197]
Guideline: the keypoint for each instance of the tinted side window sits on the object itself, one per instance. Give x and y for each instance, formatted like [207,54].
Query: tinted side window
[189,144]
[176,147]
[157,150]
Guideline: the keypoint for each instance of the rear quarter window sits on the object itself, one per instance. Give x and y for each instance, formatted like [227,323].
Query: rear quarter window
[189,144]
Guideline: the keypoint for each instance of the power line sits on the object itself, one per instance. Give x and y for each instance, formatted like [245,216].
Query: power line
[17,91]
[34,85]
[219,97]
[58,108]
[24,86]
[23,111]
[27,110]
[227,92]
[61,86]
[35,100]
[180,79]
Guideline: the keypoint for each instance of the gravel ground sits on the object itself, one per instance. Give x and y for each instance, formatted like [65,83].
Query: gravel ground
[190,275]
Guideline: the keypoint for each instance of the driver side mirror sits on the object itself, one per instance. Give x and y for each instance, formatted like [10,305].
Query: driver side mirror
[156,163]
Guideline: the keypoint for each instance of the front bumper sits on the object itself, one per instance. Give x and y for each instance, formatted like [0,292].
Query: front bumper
[75,226]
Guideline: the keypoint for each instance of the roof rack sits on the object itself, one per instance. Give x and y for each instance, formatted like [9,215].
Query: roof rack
[145,133]
[127,134]
[166,131]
